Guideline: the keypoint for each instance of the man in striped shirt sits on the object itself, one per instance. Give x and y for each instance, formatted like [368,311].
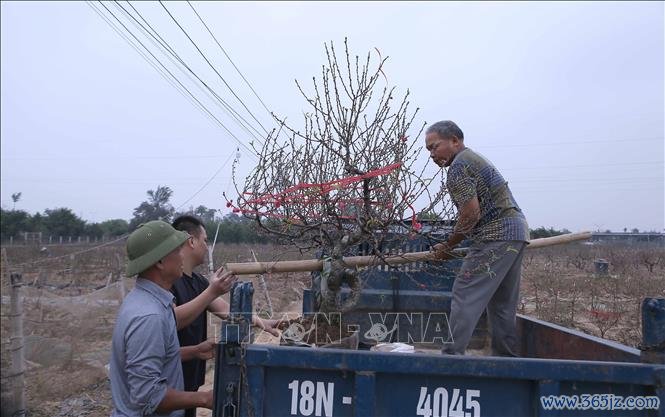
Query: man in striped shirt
[490,219]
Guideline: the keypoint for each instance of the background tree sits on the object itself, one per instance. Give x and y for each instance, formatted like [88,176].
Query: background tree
[236,229]
[156,207]
[37,223]
[545,232]
[115,227]
[15,198]
[93,230]
[62,222]
[13,222]
[232,227]
[205,214]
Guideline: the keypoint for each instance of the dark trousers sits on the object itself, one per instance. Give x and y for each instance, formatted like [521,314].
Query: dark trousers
[488,279]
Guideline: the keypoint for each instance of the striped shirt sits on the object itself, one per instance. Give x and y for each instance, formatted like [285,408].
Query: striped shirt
[472,175]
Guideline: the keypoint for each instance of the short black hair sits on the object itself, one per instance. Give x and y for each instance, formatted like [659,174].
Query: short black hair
[189,224]
[446,129]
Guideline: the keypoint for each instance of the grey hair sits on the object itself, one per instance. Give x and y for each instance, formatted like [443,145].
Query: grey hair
[446,129]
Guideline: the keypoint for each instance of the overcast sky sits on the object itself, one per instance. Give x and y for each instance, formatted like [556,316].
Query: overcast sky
[565,98]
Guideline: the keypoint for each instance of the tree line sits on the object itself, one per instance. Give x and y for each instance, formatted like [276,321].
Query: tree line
[64,222]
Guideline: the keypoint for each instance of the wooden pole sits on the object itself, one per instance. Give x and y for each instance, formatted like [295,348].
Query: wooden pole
[17,376]
[264,287]
[121,288]
[308,265]
[121,278]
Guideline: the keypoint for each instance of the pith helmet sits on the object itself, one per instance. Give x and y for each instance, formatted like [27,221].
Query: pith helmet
[149,243]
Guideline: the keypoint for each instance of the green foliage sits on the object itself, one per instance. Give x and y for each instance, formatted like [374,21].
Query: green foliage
[156,207]
[57,222]
[115,227]
[62,222]
[205,214]
[429,216]
[93,230]
[37,223]
[232,228]
[543,232]
[15,198]
[12,222]
[236,229]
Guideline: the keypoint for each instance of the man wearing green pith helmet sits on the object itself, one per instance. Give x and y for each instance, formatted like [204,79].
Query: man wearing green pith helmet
[145,368]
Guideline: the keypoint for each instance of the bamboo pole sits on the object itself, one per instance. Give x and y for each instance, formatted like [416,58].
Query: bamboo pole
[308,265]
[264,287]
[17,376]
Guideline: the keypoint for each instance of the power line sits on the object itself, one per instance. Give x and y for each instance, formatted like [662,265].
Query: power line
[588,191]
[568,143]
[159,41]
[176,79]
[196,104]
[206,184]
[229,58]
[583,179]
[145,57]
[118,181]
[212,66]
[107,157]
[622,164]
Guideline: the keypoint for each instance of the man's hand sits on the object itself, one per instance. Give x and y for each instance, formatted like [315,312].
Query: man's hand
[442,252]
[221,282]
[206,399]
[205,350]
[269,326]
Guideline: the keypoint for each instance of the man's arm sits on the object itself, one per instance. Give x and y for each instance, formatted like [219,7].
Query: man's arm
[179,400]
[220,308]
[204,351]
[468,217]
[220,283]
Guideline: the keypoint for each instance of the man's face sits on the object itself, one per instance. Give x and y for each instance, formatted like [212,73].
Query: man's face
[172,264]
[200,246]
[442,151]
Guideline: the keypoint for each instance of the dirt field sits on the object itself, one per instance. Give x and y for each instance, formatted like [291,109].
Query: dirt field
[70,304]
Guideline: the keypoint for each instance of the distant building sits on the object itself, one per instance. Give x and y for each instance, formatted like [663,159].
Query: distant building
[629,237]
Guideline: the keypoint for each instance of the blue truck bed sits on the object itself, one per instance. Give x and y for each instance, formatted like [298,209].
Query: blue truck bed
[563,373]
